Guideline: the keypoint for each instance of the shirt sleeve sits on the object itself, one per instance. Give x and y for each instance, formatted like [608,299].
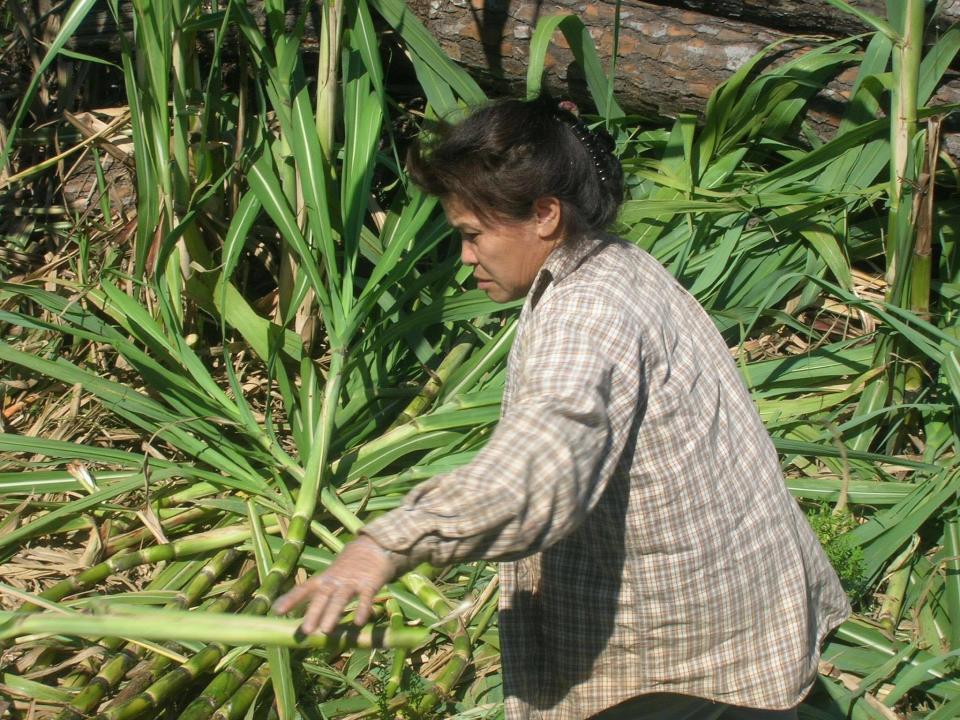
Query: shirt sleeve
[549,459]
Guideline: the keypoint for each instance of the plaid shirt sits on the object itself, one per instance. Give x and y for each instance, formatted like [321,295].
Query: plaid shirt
[650,542]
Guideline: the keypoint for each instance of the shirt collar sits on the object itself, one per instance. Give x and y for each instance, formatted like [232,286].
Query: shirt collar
[564,259]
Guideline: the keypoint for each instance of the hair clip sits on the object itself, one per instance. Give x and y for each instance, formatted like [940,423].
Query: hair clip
[569,116]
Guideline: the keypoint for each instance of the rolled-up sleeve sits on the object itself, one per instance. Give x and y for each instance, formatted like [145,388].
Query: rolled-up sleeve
[550,457]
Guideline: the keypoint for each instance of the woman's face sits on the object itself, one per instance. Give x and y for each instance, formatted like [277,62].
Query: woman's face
[505,255]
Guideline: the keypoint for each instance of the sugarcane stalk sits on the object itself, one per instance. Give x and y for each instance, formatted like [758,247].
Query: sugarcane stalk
[283,566]
[313,480]
[395,678]
[163,580]
[185,547]
[898,575]
[889,615]
[235,708]
[144,691]
[143,534]
[907,55]
[113,670]
[228,628]
[903,126]
[222,687]
[428,593]
[428,393]
[460,658]
[230,678]
[923,214]
[461,652]
[489,609]
[327,87]
[951,587]
[152,697]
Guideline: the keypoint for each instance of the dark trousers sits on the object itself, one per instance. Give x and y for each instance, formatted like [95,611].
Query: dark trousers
[666,706]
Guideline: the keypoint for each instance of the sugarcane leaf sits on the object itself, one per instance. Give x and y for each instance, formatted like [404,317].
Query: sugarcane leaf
[51,519]
[637,210]
[936,62]
[951,550]
[68,25]
[240,225]
[790,446]
[314,172]
[36,690]
[364,38]
[269,191]
[886,669]
[719,110]
[585,53]
[53,482]
[919,674]
[363,116]
[65,450]
[853,635]
[440,96]
[127,599]
[877,23]
[423,45]
[887,531]
[847,705]
[947,711]
[860,492]
[828,249]
[951,369]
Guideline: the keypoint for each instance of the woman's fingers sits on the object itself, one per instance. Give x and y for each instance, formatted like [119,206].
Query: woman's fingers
[296,596]
[361,569]
[364,606]
[319,595]
[333,607]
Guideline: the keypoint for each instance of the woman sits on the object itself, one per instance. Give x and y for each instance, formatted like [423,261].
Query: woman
[654,563]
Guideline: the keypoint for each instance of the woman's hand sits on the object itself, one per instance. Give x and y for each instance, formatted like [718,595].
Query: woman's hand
[360,570]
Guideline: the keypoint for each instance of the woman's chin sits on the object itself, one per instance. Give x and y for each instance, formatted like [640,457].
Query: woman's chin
[495,292]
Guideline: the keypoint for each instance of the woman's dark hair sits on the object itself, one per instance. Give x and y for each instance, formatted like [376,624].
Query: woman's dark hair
[506,155]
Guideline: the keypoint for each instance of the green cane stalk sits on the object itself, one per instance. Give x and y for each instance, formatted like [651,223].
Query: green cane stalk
[223,687]
[235,708]
[142,534]
[192,626]
[907,54]
[185,547]
[284,564]
[901,227]
[171,577]
[145,692]
[889,615]
[395,676]
[113,670]
[951,548]
[921,264]
[436,382]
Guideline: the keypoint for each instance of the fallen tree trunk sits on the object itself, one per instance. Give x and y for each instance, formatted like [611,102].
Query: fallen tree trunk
[672,53]
[670,58]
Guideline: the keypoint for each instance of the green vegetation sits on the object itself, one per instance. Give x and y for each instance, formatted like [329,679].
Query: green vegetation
[205,400]
[832,529]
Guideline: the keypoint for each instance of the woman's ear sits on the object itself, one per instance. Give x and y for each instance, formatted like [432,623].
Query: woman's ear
[548,213]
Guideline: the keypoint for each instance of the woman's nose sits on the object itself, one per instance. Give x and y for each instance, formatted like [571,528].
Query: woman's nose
[468,255]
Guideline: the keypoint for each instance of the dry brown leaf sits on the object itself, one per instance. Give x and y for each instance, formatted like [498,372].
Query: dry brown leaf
[150,520]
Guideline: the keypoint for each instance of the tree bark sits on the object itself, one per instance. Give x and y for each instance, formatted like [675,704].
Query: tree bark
[670,57]
[672,53]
